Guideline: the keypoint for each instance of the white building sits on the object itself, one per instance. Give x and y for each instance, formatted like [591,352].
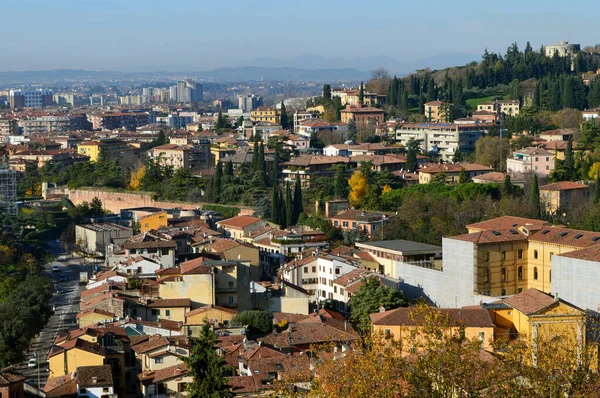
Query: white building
[563,48]
[140,267]
[36,98]
[575,277]
[95,382]
[94,238]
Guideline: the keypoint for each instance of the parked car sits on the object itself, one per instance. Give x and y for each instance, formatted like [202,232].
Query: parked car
[63,277]
[60,290]
[55,268]
[32,363]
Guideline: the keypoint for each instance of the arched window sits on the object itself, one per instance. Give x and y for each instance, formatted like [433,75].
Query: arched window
[520,273]
[535,274]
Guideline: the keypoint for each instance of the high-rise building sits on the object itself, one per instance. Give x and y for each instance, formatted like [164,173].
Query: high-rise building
[35,98]
[187,91]
[248,102]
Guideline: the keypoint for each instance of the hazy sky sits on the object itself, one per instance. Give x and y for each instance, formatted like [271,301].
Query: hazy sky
[203,34]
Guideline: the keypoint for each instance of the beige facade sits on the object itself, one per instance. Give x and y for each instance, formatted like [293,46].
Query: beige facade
[172,155]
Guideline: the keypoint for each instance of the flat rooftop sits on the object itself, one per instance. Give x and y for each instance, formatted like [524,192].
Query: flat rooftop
[404,247]
[104,227]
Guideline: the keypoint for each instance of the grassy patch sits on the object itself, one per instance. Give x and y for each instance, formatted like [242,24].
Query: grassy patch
[473,102]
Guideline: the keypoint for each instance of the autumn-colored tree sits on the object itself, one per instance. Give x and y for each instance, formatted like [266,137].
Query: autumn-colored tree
[386,189]
[358,188]
[136,178]
[594,171]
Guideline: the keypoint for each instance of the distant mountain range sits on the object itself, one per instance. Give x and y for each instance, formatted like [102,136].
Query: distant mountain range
[300,68]
[393,65]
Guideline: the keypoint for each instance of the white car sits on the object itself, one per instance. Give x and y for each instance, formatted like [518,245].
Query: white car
[32,363]
[55,268]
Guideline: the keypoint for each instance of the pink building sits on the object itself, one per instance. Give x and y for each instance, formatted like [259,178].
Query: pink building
[528,160]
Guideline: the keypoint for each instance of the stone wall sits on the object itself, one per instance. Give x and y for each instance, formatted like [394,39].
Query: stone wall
[115,201]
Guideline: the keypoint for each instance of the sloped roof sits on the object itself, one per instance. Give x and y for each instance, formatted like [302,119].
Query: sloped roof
[506,222]
[529,301]
[563,186]
[479,317]
[493,236]
[239,222]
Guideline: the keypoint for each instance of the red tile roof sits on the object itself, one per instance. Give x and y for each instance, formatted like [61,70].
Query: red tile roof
[493,236]
[506,222]
[164,374]
[479,317]
[239,222]
[529,302]
[563,186]
[207,308]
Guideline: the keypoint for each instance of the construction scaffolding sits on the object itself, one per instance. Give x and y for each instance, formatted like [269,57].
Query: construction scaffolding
[8,189]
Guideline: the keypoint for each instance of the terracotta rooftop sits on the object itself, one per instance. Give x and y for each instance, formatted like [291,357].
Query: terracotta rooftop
[529,301]
[222,245]
[591,253]
[239,222]
[61,386]
[95,311]
[174,302]
[563,186]
[432,168]
[207,308]
[493,236]
[566,237]
[7,378]
[492,177]
[506,222]
[94,376]
[164,374]
[151,344]
[194,267]
[455,316]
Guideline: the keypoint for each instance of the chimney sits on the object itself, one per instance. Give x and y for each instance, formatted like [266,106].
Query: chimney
[94,379]
[382,309]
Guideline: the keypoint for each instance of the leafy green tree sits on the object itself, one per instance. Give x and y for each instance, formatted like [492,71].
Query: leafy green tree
[369,298]
[259,321]
[569,163]
[298,206]
[463,178]
[534,200]
[206,367]
[222,122]
[285,122]
[514,90]
[96,208]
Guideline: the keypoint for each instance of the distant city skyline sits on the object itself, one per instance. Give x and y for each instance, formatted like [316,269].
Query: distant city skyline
[150,35]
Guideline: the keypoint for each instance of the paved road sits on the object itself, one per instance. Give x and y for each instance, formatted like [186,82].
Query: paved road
[64,318]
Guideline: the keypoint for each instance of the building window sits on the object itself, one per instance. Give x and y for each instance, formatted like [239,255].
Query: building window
[503,292]
[535,273]
[314,268]
[158,360]
[520,273]
[482,336]
[345,224]
[387,332]
[335,223]
[155,312]
[181,387]
[535,254]
[353,224]
[231,299]
[230,284]
[503,256]
[551,254]
[487,256]
[519,290]
[337,271]
[520,253]
[503,274]
[306,270]
[550,276]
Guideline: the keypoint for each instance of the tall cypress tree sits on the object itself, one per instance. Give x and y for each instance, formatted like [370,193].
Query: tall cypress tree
[507,187]
[535,196]
[289,206]
[228,169]
[275,205]
[597,190]
[275,169]
[261,165]
[361,93]
[217,182]
[285,123]
[255,150]
[282,209]
[206,367]
[298,207]
[569,161]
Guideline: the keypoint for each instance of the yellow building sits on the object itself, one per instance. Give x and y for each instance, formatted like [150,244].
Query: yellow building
[154,221]
[222,147]
[560,197]
[265,114]
[221,315]
[514,254]
[538,318]
[230,249]
[400,323]
[111,148]
[433,111]
[94,316]
[173,309]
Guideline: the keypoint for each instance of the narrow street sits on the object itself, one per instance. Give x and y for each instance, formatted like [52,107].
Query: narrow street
[66,306]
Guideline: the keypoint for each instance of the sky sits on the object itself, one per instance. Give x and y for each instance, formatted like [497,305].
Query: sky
[148,35]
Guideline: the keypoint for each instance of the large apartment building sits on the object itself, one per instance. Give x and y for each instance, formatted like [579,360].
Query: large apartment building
[37,98]
[445,139]
[531,160]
